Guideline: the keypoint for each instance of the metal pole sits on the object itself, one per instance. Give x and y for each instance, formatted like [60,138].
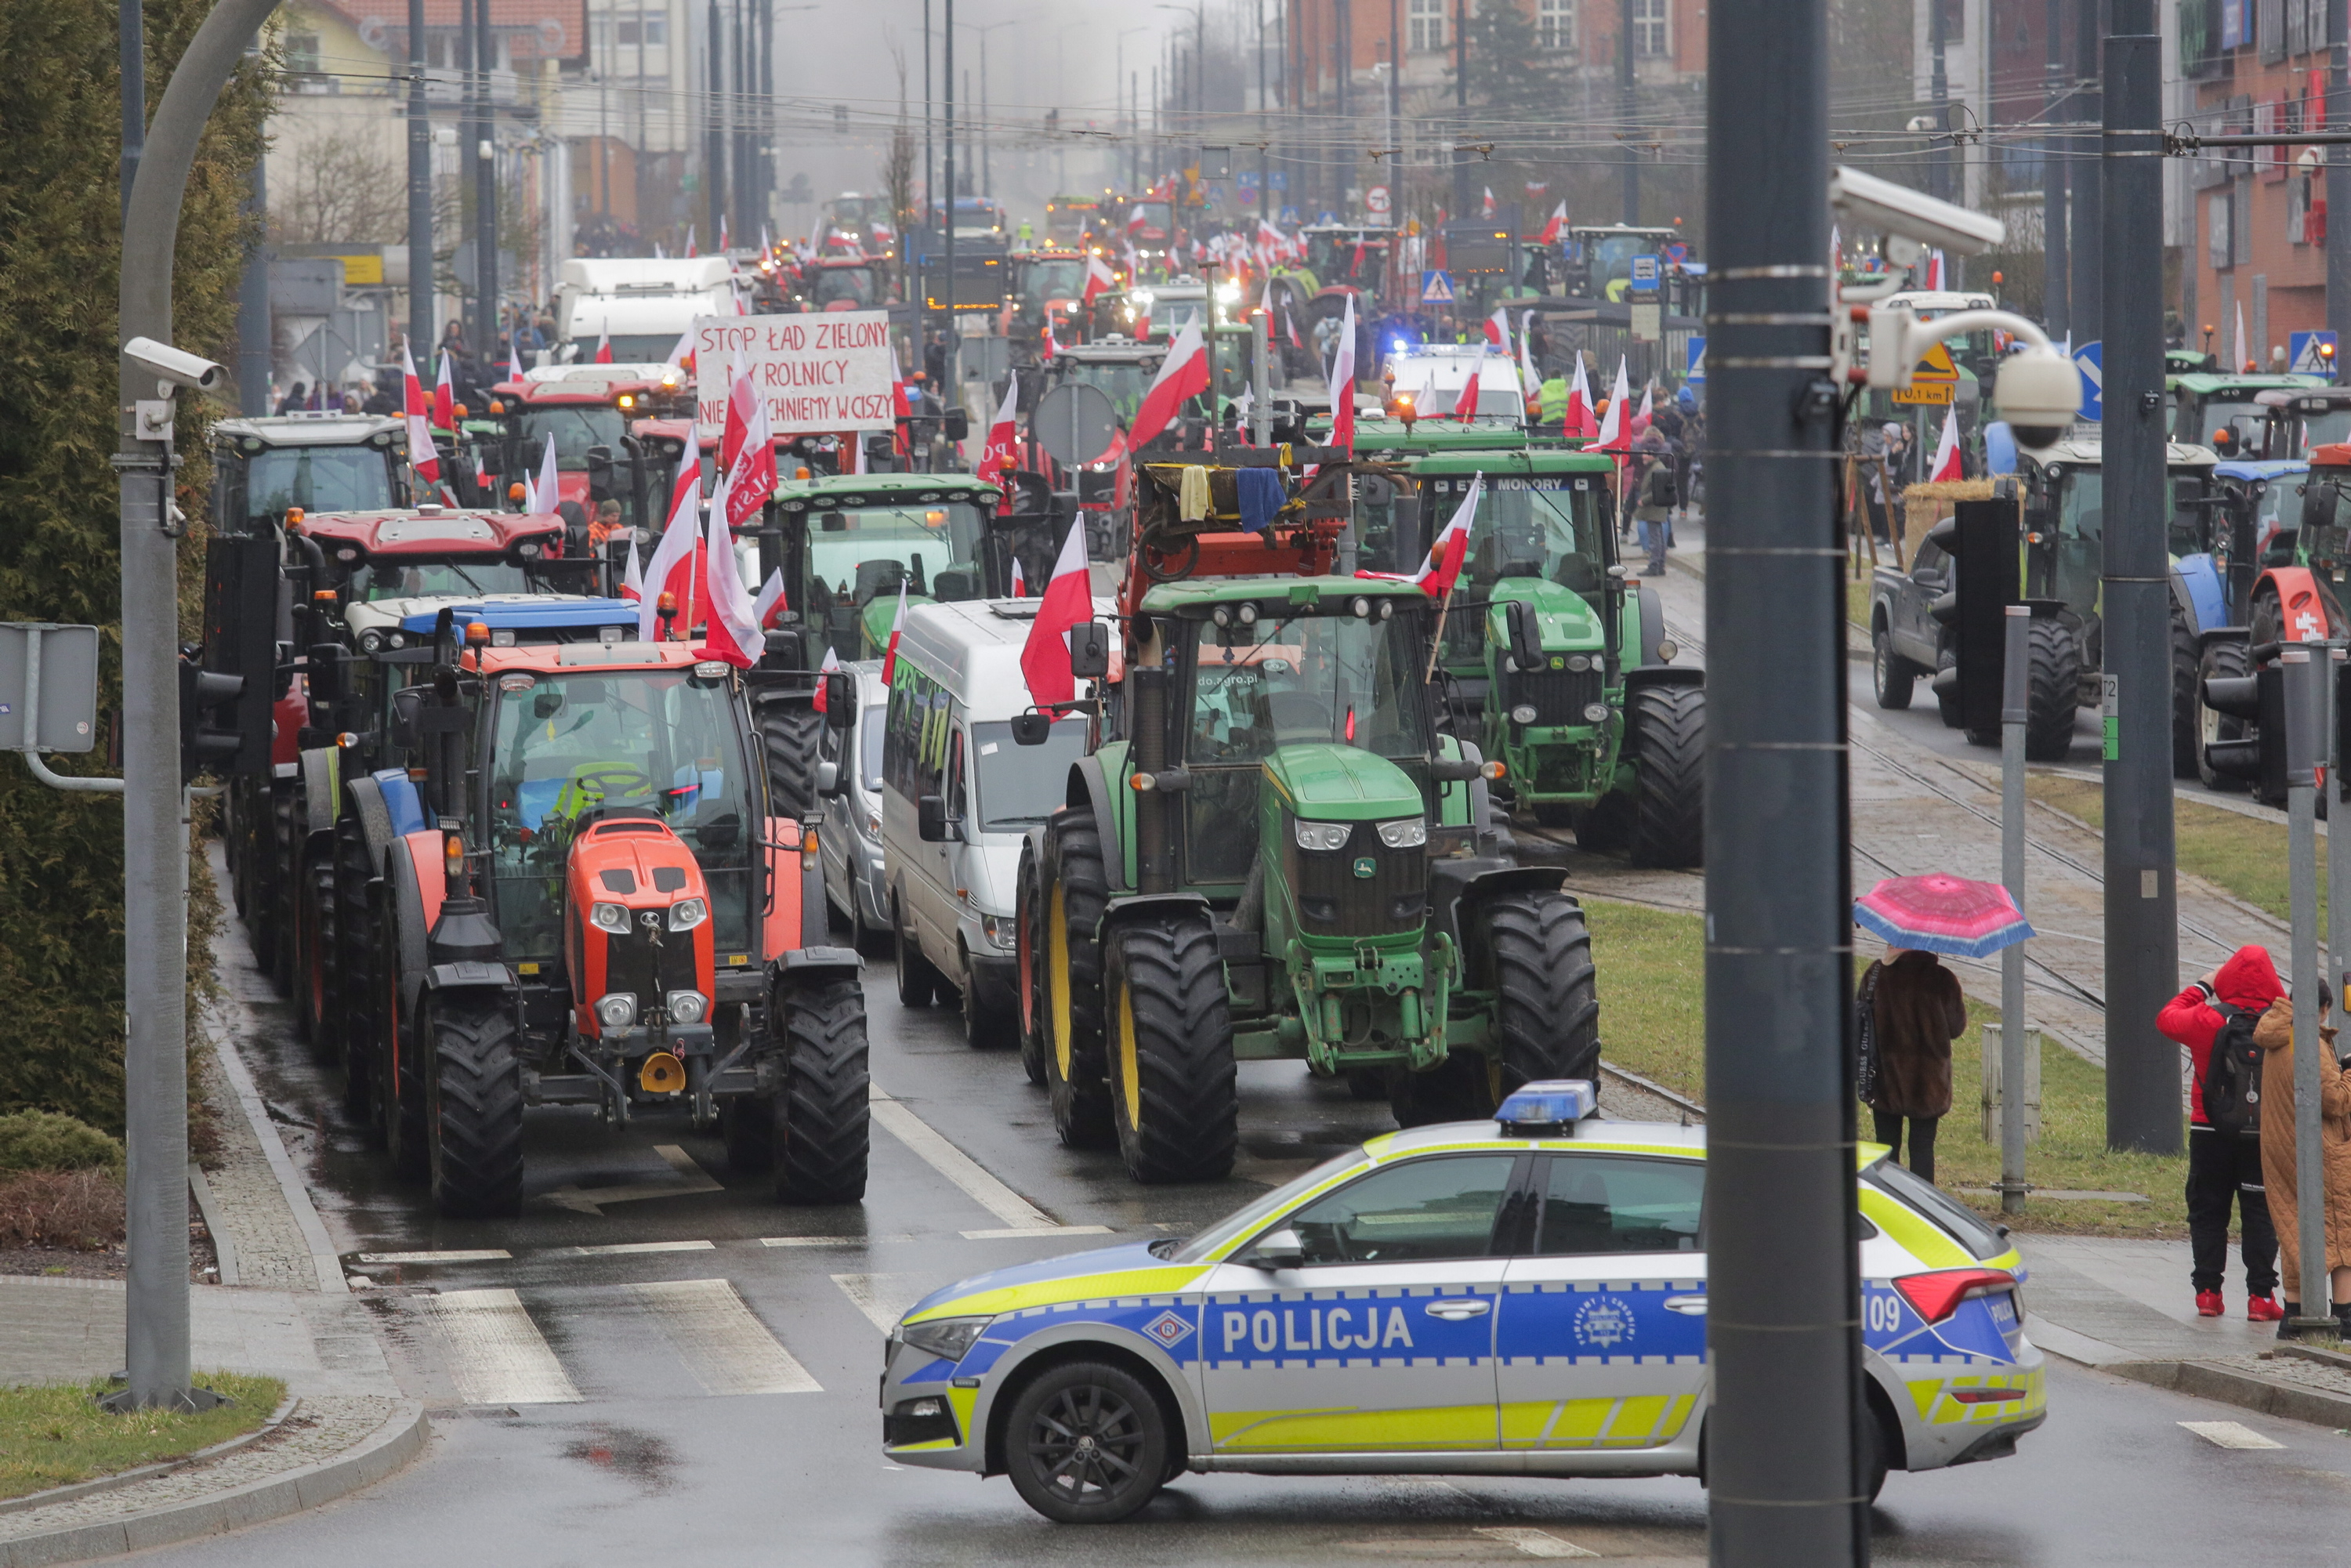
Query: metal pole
[2338,841]
[2301,754]
[154,833]
[2056,313]
[715,134]
[949,388]
[2092,171]
[1784,1327]
[253,326]
[2014,702]
[1460,107]
[421,305]
[2142,921]
[131,37]
[1938,93]
[1627,90]
[1261,409]
[2338,168]
[930,168]
[485,186]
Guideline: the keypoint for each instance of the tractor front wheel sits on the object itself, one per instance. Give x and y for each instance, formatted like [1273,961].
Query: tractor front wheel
[2053,690]
[823,1127]
[1546,1009]
[472,1114]
[1173,1092]
[788,732]
[1076,1074]
[1665,732]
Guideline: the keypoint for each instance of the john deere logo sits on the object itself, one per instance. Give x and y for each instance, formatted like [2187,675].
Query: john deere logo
[1559,661]
[1364,866]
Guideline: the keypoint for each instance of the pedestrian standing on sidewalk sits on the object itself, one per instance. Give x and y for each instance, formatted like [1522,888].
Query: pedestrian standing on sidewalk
[1916,1011]
[2274,1035]
[1652,510]
[2226,1167]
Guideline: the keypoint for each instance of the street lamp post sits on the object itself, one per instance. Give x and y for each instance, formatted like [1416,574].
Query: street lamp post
[1135,109]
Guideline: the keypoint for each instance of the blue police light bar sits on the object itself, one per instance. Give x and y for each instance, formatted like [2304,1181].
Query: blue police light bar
[522,615]
[1548,1108]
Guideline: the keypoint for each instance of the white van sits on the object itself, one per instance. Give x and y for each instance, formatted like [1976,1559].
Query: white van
[947,740]
[850,845]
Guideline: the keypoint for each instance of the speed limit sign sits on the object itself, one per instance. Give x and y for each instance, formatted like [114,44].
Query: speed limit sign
[1375,200]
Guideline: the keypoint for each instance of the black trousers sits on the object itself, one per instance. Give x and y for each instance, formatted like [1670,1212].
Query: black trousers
[1922,1140]
[2222,1169]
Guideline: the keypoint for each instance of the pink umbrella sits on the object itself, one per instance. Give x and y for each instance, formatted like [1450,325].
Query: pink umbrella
[1942,913]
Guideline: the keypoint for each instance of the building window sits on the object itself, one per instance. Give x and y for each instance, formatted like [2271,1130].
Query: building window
[1427,33]
[1652,27]
[1555,24]
[302,54]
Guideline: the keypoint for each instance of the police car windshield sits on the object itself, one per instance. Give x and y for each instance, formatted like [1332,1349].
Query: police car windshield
[1020,786]
[1980,1240]
[1246,1220]
[317,479]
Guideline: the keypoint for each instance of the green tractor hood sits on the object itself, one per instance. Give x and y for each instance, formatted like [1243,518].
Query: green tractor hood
[1564,618]
[1327,782]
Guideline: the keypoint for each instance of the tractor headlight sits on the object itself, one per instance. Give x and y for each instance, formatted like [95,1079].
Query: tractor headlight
[610,918]
[370,641]
[1323,835]
[688,913]
[618,1010]
[1523,714]
[1578,663]
[1596,712]
[687,1007]
[1408,835]
[1666,649]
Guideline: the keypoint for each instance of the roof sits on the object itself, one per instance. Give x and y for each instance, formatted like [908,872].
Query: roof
[1942,300]
[1533,460]
[311,430]
[1594,1134]
[519,610]
[2089,452]
[587,657]
[1124,351]
[976,645]
[2272,467]
[881,489]
[1174,598]
[591,372]
[598,392]
[647,275]
[430,530]
[2205,384]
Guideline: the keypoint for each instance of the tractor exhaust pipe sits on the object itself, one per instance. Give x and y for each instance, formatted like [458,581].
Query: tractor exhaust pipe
[1155,854]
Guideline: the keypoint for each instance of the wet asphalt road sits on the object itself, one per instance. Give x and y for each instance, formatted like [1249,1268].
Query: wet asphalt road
[650,1459]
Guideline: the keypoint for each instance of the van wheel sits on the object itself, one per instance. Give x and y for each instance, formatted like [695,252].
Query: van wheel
[988,1023]
[918,980]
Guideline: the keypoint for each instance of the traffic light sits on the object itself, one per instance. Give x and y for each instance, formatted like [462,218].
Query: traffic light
[1980,538]
[226,700]
[209,741]
[2257,701]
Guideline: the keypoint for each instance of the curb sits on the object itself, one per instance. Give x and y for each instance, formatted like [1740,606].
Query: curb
[380,1454]
[163,1467]
[2228,1386]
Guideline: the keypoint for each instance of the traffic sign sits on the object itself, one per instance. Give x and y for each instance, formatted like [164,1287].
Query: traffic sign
[1678,253]
[1435,289]
[2090,359]
[2310,353]
[1935,366]
[1075,423]
[1645,274]
[1925,395]
[1277,178]
[1375,200]
[1288,214]
[1697,371]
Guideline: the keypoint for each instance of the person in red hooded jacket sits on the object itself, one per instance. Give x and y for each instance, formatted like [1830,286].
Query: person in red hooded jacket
[2222,1168]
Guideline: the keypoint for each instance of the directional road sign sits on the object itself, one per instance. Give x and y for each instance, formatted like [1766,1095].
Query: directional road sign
[2090,359]
[1697,371]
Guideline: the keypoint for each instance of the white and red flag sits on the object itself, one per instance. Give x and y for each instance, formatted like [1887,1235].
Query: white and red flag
[1641,418]
[1343,382]
[689,240]
[1947,451]
[422,453]
[1183,374]
[1465,407]
[604,346]
[1488,209]
[1447,551]
[1498,327]
[633,582]
[1068,601]
[1614,436]
[832,662]
[1019,579]
[673,569]
[1550,234]
[897,625]
[445,398]
[1002,453]
[1530,383]
[545,492]
[1100,278]
[747,452]
[732,632]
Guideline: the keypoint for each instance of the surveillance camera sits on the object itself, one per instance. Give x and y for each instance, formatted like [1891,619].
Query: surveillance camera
[1897,210]
[174,365]
[2038,392]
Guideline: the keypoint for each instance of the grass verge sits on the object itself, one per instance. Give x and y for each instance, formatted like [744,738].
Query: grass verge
[1652,987]
[2243,855]
[1856,600]
[54,1434]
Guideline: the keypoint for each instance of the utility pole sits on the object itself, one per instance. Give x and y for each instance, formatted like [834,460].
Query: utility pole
[486,184]
[131,38]
[1264,136]
[2056,279]
[1628,89]
[715,137]
[253,326]
[2142,920]
[1462,107]
[949,388]
[2091,165]
[738,124]
[421,302]
[154,810]
[2338,167]
[1938,93]
[1783,1322]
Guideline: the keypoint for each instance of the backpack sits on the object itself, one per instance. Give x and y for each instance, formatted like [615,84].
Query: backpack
[2233,1074]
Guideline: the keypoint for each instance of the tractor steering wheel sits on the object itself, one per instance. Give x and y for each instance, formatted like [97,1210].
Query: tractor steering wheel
[606,780]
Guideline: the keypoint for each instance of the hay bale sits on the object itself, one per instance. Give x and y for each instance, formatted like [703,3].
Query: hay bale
[1923,506]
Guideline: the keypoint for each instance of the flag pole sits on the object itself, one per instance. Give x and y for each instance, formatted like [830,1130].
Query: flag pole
[1437,643]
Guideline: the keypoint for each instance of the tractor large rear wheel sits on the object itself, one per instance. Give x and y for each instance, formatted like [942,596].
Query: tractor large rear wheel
[472,1120]
[788,732]
[1174,1093]
[2224,659]
[314,949]
[1030,967]
[1665,732]
[1076,1071]
[399,1045]
[2053,690]
[2184,702]
[356,1021]
[823,1124]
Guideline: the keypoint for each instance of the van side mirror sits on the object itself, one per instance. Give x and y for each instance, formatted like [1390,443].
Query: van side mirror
[1276,1249]
[957,424]
[1089,650]
[1032,728]
[841,700]
[931,819]
[829,781]
[1526,634]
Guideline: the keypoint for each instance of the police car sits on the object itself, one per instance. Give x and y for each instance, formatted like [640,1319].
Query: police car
[1526,1299]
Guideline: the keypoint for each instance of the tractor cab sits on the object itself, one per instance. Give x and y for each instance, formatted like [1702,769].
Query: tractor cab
[2064,523]
[850,542]
[2301,420]
[2227,413]
[264,467]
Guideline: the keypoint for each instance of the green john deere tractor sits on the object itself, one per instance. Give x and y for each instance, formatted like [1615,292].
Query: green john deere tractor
[1560,666]
[1275,853]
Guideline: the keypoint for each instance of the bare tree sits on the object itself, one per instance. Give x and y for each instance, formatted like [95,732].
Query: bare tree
[340,190]
[898,185]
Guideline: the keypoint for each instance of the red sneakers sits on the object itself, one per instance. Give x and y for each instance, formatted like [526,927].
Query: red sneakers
[2258,1309]
[2209,1304]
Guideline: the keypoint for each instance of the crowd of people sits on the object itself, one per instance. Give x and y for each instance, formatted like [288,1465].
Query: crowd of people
[523,333]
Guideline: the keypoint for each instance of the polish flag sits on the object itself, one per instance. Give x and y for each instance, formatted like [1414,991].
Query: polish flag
[1498,327]
[445,398]
[1001,454]
[732,629]
[1142,327]
[1946,450]
[832,662]
[1068,601]
[858,442]
[678,357]
[897,624]
[422,453]
[1183,374]
[514,359]
[604,346]
[750,467]
[673,567]
[1641,419]
[542,494]
[1447,551]
[1100,278]
[1019,580]
[1052,346]
[1465,407]
[633,582]
[1343,382]
[1530,383]
[1488,209]
[1613,434]
[722,234]
[689,239]
[1550,234]
[1578,423]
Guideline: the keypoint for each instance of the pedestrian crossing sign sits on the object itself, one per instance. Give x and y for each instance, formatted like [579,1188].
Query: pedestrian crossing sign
[1435,289]
[2310,353]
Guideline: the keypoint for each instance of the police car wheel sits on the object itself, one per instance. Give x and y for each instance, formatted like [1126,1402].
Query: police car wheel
[1086,1443]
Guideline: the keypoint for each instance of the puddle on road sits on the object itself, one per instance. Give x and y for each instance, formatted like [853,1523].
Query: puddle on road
[639,1456]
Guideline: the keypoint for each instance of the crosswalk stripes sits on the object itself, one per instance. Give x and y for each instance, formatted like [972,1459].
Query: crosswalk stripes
[496,1355]
[726,1347]
[496,1352]
[884,1298]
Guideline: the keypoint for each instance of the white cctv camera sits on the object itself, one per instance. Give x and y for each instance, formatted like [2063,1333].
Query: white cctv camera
[174,366]
[2038,392]
[1900,212]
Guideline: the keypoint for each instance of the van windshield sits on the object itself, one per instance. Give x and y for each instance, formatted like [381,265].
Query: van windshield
[1020,786]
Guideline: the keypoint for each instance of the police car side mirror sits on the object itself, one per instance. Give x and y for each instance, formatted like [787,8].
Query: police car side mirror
[1278,1250]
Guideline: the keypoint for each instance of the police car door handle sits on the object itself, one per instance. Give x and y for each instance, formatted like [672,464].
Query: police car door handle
[1454,1308]
[1694,1305]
